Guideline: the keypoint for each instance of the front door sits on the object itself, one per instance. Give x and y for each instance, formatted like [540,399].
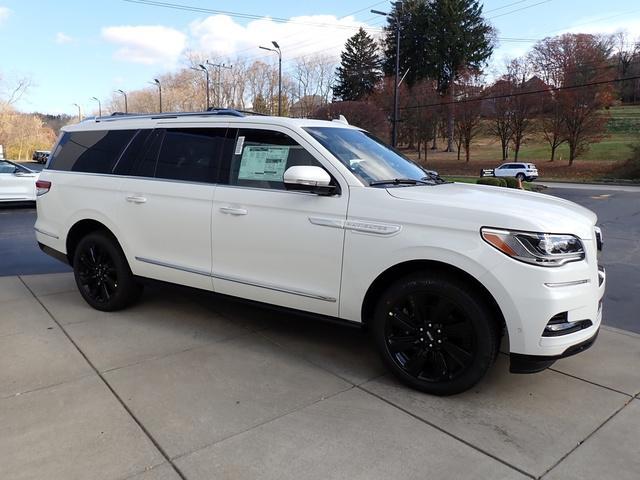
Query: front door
[270,244]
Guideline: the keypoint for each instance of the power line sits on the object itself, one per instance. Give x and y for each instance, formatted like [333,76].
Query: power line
[531,92]
[506,6]
[519,9]
[249,16]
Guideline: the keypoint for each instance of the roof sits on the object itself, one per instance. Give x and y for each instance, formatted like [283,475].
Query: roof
[216,117]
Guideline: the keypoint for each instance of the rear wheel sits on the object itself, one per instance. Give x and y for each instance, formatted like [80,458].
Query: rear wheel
[435,333]
[102,273]
[521,177]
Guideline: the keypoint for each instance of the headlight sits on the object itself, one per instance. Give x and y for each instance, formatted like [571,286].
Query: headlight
[544,249]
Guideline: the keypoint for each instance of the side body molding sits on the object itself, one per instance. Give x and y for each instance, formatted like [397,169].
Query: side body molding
[357,225]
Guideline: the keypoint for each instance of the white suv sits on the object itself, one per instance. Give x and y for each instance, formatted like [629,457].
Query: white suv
[521,171]
[321,217]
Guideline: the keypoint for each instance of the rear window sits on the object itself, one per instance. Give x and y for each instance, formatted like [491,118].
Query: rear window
[94,151]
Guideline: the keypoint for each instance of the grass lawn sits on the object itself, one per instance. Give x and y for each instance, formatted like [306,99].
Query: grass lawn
[599,161]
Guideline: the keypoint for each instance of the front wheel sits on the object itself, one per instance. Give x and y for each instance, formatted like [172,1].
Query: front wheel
[435,333]
[102,273]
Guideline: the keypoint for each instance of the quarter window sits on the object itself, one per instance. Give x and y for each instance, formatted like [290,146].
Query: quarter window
[93,151]
[261,157]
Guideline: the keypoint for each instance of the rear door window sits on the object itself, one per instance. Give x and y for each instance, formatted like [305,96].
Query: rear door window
[92,151]
[191,154]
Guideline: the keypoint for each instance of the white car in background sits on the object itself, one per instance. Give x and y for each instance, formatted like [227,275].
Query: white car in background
[17,183]
[521,171]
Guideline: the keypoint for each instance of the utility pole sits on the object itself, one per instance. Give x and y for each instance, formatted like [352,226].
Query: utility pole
[219,66]
[126,107]
[396,80]
[279,52]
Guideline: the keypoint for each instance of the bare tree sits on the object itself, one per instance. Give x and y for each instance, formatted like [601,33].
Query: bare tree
[499,111]
[467,112]
[578,64]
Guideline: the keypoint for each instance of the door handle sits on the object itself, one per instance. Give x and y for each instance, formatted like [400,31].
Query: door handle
[234,211]
[136,199]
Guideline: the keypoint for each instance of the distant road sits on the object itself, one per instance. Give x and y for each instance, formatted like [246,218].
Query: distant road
[591,186]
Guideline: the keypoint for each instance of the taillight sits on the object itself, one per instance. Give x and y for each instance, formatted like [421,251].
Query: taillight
[42,187]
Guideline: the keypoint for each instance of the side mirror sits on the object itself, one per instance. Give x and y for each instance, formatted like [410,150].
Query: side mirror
[307,178]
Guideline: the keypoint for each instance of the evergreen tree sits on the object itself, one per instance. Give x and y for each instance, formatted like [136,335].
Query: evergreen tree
[360,68]
[439,39]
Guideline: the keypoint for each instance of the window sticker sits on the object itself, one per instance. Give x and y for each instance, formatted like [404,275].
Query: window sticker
[239,145]
[263,162]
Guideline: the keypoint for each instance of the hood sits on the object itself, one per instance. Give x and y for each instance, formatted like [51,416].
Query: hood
[481,205]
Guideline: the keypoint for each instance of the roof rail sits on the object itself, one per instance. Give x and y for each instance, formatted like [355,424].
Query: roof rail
[245,112]
[116,116]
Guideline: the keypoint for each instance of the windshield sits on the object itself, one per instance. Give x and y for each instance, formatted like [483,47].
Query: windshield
[372,161]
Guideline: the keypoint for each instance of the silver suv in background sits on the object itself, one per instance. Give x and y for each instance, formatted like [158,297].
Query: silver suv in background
[521,171]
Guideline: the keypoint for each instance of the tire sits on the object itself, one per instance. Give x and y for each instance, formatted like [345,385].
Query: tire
[521,177]
[102,273]
[435,333]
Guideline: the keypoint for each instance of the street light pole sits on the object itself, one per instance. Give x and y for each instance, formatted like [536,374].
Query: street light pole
[79,112]
[279,52]
[206,72]
[157,82]
[126,107]
[396,99]
[99,105]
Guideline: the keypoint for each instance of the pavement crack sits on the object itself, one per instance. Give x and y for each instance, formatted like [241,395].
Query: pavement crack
[607,420]
[449,434]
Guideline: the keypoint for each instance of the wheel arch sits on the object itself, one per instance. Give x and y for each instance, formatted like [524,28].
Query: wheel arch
[386,278]
[79,230]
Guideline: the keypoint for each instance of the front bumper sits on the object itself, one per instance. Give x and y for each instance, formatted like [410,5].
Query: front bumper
[520,363]
[530,297]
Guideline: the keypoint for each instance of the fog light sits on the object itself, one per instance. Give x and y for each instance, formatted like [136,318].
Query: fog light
[559,325]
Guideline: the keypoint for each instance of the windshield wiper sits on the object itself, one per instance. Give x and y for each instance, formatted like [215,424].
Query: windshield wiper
[400,181]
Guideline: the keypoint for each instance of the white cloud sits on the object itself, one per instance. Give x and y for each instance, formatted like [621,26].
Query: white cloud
[591,25]
[4,14]
[147,44]
[303,35]
[62,38]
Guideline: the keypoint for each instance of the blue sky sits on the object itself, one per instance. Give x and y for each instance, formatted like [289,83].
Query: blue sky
[74,50]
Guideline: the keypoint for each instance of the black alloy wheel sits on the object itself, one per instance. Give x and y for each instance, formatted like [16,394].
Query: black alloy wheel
[435,334]
[102,273]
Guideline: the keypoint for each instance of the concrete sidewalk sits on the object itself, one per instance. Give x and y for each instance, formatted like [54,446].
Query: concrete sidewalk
[187,385]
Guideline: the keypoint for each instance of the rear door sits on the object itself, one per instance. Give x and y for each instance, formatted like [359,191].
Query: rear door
[166,201]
